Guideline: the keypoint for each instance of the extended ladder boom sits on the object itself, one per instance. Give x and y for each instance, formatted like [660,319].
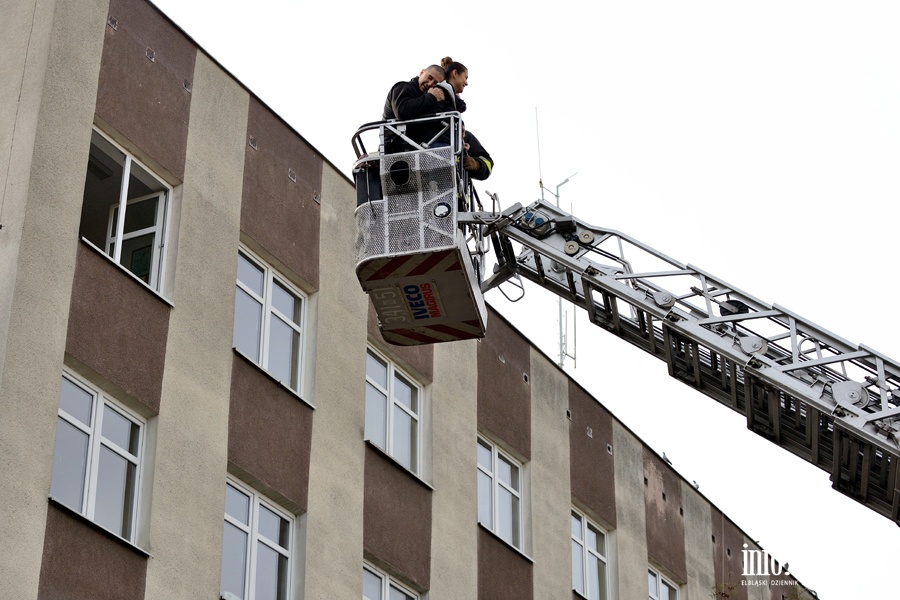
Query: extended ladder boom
[831,402]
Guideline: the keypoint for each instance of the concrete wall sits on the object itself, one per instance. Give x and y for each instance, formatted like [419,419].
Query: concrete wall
[701,573]
[189,483]
[334,532]
[455,501]
[551,496]
[50,64]
[631,528]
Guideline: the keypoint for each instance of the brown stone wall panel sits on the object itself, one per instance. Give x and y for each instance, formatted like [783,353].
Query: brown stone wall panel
[592,468]
[665,522]
[146,100]
[504,395]
[117,327]
[419,358]
[727,558]
[279,214]
[269,434]
[397,519]
[503,573]
[80,561]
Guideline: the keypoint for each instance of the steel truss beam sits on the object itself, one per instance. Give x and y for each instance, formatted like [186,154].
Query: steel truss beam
[833,403]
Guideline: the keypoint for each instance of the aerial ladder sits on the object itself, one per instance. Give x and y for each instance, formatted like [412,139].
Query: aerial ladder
[421,255]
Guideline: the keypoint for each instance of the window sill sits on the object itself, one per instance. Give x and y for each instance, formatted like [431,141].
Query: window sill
[80,517]
[256,366]
[510,546]
[141,282]
[393,460]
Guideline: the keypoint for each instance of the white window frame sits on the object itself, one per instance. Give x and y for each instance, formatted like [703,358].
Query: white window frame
[270,278]
[96,443]
[586,553]
[660,581]
[394,372]
[491,471]
[387,583]
[115,234]
[254,537]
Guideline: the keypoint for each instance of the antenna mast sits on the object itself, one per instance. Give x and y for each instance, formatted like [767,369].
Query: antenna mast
[563,318]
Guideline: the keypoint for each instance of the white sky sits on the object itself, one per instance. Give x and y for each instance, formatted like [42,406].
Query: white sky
[759,141]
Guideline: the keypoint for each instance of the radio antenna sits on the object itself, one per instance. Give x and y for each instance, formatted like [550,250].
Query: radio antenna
[563,317]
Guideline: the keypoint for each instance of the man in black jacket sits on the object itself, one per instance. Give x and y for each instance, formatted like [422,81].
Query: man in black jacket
[412,99]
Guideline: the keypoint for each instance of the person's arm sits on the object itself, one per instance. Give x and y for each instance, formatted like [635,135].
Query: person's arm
[478,162]
[408,104]
[479,167]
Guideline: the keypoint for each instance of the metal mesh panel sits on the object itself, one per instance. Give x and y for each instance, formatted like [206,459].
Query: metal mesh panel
[414,184]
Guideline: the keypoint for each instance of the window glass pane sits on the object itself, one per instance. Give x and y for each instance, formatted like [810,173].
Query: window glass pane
[485,500]
[286,303]
[576,527]
[102,188]
[234,560]
[237,504]
[651,583]
[594,540]
[371,585]
[376,370]
[405,393]
[668,592]
[601,579]
[271,574]
[114,503]
[507,516]
[593,577]
[69,465]
[508,473]
[397,594]
[284,348]
[120,430]
[142,182]
[247,324]
[75,401]
[141,215]
[404,439]
[250,275]
[274,528]
[376,416]
[577,567]
[137,255]
[484,457]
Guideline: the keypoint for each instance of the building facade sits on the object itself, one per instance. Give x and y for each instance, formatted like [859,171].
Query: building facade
[194,398]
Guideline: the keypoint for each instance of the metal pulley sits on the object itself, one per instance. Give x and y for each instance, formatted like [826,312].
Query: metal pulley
[752,345]
[664,299]
[849,392]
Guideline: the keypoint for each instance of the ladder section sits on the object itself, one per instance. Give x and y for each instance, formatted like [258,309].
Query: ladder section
[833,403]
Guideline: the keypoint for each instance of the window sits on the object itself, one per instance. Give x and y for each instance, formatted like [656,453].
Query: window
[660,587]
[588,558]
[256,547]
[124,210]
[378,586]
[499,493]
[97,459]
[268,320]
[393,410]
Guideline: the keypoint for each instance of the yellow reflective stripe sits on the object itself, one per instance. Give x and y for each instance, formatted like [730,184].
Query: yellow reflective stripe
[488,163]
